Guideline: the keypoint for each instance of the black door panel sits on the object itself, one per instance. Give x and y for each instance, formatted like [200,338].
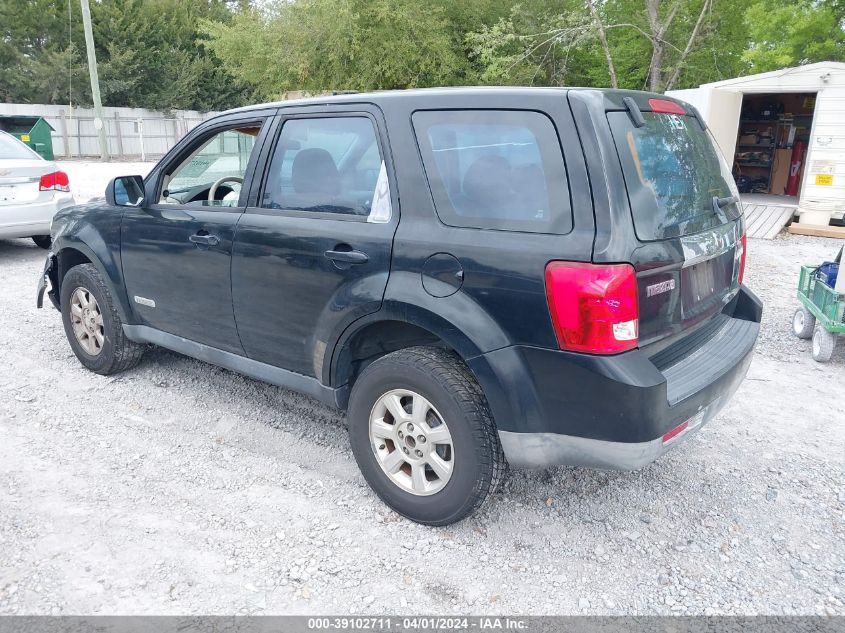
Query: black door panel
[176,251]
[312,252]
[290,298]
[188,281]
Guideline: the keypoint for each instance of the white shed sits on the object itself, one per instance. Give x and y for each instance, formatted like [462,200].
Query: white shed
[784,132]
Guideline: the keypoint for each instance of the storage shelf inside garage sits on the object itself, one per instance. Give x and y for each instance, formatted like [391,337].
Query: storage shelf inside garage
[769,126]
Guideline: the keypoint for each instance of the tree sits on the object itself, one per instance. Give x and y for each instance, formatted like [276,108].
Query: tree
[539,43]
[151,56]
[598,23]
[652,44]
[801,32]
[147,51]
[320,45]
[214,54]
[39,57]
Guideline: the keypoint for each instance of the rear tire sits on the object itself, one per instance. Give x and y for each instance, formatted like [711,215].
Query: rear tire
[803,323]
[92,323]
[823,345]
[438,465]
[42,241]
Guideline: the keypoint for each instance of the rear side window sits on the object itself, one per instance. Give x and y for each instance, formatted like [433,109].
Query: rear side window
[495,169]
[10,147]
[672,171]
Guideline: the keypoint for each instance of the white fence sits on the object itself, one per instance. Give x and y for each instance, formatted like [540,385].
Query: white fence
[135,133]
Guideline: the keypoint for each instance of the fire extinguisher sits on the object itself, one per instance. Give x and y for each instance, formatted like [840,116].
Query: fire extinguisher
[792,183]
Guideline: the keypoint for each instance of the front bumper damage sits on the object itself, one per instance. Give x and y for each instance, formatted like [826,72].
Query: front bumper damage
[47,283]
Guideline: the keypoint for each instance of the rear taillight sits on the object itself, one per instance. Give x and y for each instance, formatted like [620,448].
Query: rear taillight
[743,249]
[594,308]
[56,181]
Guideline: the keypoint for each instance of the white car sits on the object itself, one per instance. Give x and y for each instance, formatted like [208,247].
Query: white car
[31,191]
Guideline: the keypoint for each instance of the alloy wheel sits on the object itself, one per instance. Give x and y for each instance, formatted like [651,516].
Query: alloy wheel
[411,442]
[86,319]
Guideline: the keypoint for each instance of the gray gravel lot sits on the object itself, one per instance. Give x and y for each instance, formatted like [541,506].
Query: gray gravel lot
[181,488]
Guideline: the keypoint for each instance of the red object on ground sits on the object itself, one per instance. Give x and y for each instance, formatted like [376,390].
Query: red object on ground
[792,182]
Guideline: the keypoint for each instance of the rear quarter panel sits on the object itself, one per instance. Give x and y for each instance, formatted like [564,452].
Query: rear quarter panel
[501,300]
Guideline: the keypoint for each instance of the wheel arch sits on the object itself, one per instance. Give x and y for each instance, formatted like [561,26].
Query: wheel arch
[398,327]
[69,253]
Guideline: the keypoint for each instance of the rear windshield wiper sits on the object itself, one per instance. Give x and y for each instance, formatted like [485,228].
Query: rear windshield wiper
[721,203]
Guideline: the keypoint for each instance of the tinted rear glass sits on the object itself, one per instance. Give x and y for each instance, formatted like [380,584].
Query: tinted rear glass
[495,169]
[10,147]
[673,170]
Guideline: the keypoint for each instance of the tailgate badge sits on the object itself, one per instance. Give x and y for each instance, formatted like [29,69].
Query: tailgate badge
[660,288]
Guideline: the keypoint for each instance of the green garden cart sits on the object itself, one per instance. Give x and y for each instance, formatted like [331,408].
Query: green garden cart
[820,316]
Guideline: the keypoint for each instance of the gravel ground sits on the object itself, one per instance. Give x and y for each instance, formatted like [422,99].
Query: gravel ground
[181,488]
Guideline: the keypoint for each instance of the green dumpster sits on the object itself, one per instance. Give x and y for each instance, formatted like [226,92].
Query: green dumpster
[34,131]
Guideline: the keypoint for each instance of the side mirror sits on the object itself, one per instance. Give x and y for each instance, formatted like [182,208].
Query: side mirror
[125,191]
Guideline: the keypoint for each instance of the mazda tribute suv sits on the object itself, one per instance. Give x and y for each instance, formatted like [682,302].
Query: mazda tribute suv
[479,277]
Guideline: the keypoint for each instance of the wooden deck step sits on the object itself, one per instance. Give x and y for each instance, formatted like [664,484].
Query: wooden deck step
[764,221]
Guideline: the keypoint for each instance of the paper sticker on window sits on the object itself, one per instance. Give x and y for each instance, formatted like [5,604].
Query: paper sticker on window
[676,122]
[380,209]
[824,179]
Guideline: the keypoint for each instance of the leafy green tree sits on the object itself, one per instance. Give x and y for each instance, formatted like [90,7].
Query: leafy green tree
[148,53]
[151,56]
[213,54]
[654,44]
[39,57]
[798,32]
[320,45]
[540,43]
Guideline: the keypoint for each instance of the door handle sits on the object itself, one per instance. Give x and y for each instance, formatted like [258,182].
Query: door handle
[347,257]
[204,239]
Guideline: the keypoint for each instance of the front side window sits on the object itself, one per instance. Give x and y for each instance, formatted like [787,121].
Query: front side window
[213,174]
[328,165]
[495,169]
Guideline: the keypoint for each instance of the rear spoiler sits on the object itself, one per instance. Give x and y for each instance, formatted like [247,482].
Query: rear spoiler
[637,116]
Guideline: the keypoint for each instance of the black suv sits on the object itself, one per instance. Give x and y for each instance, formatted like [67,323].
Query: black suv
[480,276]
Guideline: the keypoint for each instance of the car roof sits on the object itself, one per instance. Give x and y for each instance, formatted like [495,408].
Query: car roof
[423,95]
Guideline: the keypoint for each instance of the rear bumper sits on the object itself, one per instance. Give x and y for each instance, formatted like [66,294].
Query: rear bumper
[26,220]
[538,450]
[612,411]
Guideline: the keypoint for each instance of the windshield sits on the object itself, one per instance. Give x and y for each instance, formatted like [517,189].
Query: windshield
[10,147]
[673,171]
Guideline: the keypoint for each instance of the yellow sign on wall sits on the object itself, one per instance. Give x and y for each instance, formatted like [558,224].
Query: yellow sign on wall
[25,138]
[824,179]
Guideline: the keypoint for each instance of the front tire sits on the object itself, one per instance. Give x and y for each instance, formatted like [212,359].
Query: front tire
[92,323]
[824,343]
[423,436]
[42,241]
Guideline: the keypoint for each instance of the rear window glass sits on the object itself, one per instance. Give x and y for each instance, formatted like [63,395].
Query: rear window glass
[495,169]
[672,170]
[10,147]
